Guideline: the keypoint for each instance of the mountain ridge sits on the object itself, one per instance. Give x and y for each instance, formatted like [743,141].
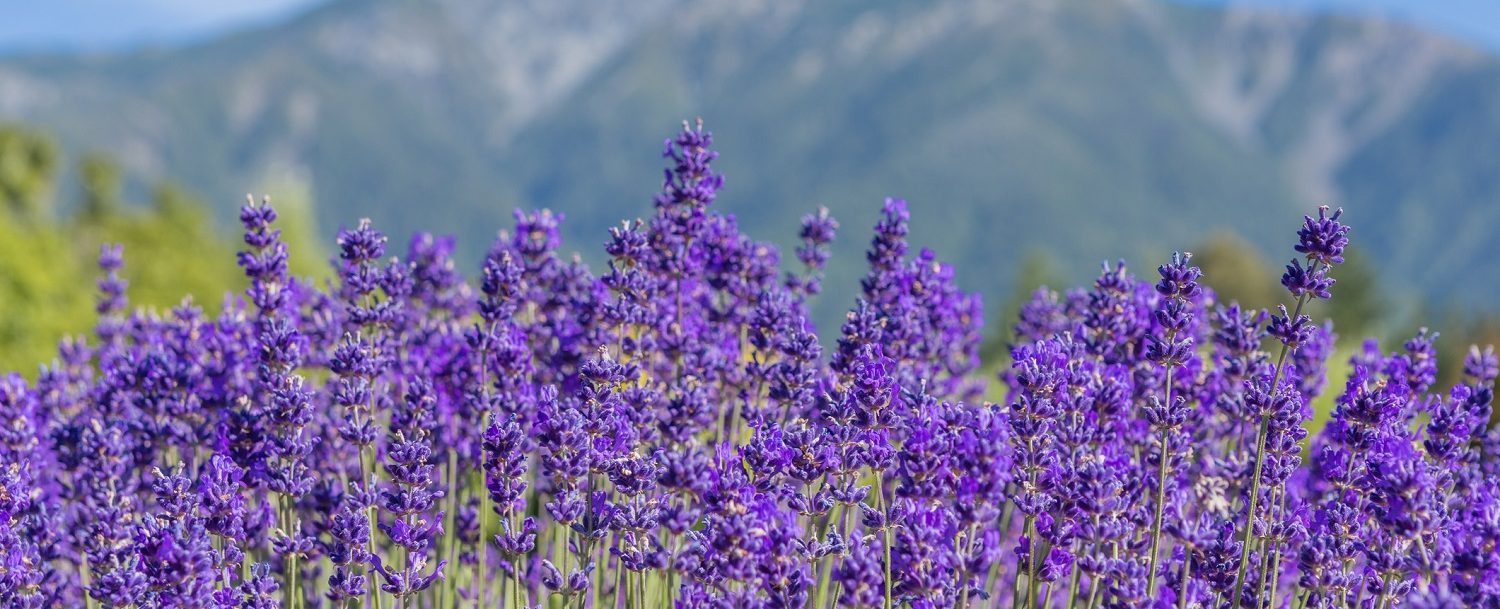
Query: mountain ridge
[1091,129]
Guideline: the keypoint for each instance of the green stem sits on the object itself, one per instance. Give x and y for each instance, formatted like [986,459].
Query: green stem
[1276,552]
[1073,586]
[296,573]
[1187,568]
[1161,498]
[449,587]
[1265,573]
[885,533]
[993,579]
[1015,587]
[968,548]
[1260,457]
[366,467]
[521,594]
[1030,533]
[825,570]
[88,599]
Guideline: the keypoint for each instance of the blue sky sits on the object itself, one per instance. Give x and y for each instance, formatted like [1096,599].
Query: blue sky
[1475,20]
[114,24]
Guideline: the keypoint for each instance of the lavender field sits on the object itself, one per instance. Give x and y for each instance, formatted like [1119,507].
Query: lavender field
[669,430]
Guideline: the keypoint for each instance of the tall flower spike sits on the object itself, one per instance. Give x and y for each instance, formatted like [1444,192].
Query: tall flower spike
[1322,242]
[410,496]
[1172,349]
[361,276]
[111,305]
[817,233]
[265,263]
[690,182]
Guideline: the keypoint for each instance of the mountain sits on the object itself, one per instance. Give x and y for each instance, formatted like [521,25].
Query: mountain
[1088,129]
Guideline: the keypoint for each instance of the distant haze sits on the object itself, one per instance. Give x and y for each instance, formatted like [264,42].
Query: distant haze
[57,25]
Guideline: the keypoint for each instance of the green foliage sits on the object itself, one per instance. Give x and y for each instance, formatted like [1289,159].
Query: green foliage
[1237,272]
[172,247]
[43,292]
[28,166]
[1036,270]
[1358,303]
[100,180]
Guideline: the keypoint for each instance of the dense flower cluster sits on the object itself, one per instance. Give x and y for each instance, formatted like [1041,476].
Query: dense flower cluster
[673,432]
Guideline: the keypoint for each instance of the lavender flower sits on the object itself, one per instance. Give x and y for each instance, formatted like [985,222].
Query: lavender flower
[669,433]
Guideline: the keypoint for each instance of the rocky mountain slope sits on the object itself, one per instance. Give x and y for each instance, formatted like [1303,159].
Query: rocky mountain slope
[1085,128]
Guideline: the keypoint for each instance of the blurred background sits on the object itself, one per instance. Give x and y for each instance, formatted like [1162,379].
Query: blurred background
[1033,138]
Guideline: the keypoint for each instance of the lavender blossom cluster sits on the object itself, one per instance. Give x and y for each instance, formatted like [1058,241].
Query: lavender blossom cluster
[672,433]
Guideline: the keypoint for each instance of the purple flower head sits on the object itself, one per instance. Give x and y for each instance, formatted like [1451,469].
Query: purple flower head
[349,529]
[1292,332]
[1166,417]
[924,466]
[1324,239]
[362,278]
[513,541]
[872,389]
[290,412]
[1179,280]
[883,284]
[362,245]
[409,580]
[22,570]
[436,283]
[861,576]
[1174,347]
[1312,281]
[1419,363]
[221,501]
[537,233]
[818,230]
[1041,316]
[1366,412]
[1436,597]
[260,591]
[690,183]
[265,263]
[112,302]
[923,558]
[1404,488]
[175,553]
[505,451]
[1481,366]
[502,286]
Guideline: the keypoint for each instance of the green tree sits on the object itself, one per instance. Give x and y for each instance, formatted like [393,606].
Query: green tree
[299,227]
[1357,306]
[1237,272]
[102,188]
[1036,270]
[172,247]
[44,294]
[28,167]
